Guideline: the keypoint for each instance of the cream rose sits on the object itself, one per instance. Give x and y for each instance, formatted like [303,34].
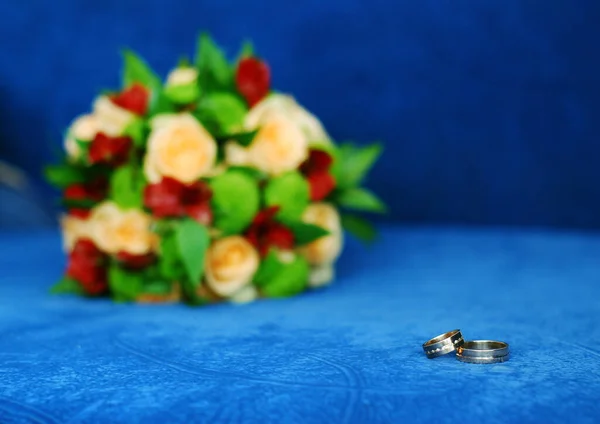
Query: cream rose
[112,119]
[115,230]
[323,251]
[286,105]
[84,128]
[74,229]
[278,147]
[286,131]
[179,147]
[231,262]
[182,76]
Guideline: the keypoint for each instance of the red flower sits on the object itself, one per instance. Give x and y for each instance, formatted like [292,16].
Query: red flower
[321,184]
[317,170]
[171,198]
[97,188]
[265,232]
[80,213]
[134,99]
[109,150]
[136,261]
[94,191]
[76,192]
[318,160]
[253,79]
[201,212]
[86,266]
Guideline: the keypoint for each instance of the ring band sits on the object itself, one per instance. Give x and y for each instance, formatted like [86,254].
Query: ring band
[483,352]
[443,344]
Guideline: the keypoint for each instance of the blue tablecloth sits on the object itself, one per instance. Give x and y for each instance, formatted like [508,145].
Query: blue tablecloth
[348,354]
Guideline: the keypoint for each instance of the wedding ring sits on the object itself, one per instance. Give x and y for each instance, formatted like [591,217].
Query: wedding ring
[483,352]
[443,344]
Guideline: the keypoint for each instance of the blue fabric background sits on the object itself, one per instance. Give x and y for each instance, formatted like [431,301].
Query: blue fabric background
[489,109]
[348,354]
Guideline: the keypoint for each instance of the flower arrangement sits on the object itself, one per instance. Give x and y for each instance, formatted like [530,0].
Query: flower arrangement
[208,187]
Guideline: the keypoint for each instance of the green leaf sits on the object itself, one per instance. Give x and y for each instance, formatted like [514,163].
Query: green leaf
[222,112]
[235,201]
[163,227]
[160,103]
[138,131]
[214,71]
[359,227]
[269,267]
[306,233]
[127,187]
[157,287]
[169,263]
[291,279]
[253,173]
[183,94]
[84,147]
[246,51]
[67,286]
[124,285]
[360,199]
[79,203]
[244,139]
[192,242]
[352,163]
[137,71]
[64,175]
[291,193]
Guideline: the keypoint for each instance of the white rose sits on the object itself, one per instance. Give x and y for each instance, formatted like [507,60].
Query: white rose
[231,262]
[236,155]
[286,105]
[279,146]
[321,275]
[84,128]
[179,147]
[323,251]
[73,230]
[115,230]
[112,119]
[182,76]
[246,295]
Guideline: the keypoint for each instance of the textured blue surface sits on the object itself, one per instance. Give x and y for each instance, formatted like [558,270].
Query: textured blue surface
[489,109]
[347,354]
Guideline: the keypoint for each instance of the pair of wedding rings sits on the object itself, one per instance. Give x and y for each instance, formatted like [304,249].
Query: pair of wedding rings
[474,352]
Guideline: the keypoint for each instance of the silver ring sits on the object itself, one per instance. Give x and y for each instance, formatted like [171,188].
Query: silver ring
[443,344]
[483,352]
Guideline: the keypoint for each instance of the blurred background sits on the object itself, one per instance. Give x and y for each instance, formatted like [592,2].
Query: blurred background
[489,110]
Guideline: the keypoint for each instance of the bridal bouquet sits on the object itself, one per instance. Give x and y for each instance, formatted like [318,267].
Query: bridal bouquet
[207,187]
